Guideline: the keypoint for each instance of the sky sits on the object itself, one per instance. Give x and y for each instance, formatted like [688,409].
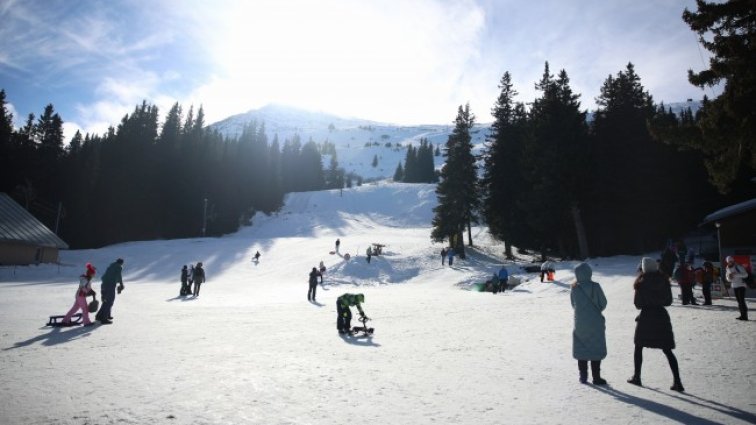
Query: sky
[394,61]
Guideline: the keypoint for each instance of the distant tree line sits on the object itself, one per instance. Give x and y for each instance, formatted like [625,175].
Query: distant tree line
[418,165]
[142,180]
[556,184]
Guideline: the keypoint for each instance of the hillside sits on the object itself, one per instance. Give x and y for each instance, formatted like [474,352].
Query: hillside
[357,141]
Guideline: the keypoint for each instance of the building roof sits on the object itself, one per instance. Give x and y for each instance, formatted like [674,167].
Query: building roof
[730,211]
[17,224]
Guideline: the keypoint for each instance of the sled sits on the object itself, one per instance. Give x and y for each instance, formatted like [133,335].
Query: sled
[550,276]
[57,321]
[364,329]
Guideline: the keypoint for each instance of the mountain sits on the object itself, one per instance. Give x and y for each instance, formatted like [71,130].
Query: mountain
[357,141]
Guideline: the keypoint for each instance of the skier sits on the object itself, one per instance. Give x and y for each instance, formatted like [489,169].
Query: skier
[313,284]
[257,257]
[184,281]
[344,314]
[369,253]
[84,289]
[338,242]
[199,278]
[108,290]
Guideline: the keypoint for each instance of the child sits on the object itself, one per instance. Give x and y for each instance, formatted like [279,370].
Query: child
[84,289]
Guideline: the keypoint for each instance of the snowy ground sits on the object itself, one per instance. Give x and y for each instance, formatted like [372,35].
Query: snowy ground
[252,350]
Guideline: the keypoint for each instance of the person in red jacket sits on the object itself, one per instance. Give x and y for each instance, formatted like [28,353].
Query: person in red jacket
[686,277]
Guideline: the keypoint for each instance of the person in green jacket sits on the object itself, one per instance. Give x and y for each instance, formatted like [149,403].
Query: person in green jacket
[344,314]
[108,290]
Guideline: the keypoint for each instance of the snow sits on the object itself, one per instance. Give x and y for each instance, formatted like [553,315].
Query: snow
[356,141]
[252,350]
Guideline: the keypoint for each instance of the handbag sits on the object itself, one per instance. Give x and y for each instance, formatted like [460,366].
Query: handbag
[93,306]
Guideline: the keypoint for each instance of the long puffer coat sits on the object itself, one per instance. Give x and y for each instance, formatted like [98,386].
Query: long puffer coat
[654,328]
[588,301]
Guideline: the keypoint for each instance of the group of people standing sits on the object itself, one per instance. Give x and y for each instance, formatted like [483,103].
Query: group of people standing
[447,253]
[653,329]
[192,275]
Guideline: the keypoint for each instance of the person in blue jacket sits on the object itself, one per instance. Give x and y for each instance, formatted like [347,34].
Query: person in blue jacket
[503,278]
[589,333]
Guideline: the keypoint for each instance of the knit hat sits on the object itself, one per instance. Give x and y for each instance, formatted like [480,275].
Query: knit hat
[729,259]
[90,270]
[649,265]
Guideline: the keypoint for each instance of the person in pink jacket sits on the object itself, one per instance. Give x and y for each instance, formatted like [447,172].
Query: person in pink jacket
[85,289]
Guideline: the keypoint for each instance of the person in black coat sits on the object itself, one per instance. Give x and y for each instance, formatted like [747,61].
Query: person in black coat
[668,260]
[184,281]
[199,278]
[313,284]
[653,329]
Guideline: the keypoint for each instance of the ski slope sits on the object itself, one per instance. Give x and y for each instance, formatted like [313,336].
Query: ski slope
[252,350]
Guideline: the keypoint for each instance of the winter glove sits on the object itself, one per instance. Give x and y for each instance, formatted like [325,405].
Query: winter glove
[120,288]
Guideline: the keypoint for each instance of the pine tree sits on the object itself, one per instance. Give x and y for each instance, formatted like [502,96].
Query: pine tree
[727,124]
[502,178]
[554,157]
[399,173]
[457,191]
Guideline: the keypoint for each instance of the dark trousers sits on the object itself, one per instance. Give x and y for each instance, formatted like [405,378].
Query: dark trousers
[368,259]
[107,294]
[451,260]
[687,293]
[443,260]
[344,317]
[740,296]
[706,289]
[197,285]
[595,369]
[312,290]
[638,360]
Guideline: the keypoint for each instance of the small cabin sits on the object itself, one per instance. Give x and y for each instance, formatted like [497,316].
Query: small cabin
[24,239]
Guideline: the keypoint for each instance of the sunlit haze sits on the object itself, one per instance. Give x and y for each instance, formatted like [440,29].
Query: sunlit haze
[391,61]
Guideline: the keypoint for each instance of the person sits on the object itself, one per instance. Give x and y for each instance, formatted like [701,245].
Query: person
[338,242]
[503,279]
[450,255]
[113,275]
[653,328]
[443,256]
[257,257]
[343,312]
[707,279]
[199,278]
[668,260]
[494,282]
[80,302]
[184,281]
[369,253]
[547,268]
[322,271]
[685,278]
[190,279]
[589,332]
[313,284]
[736,274]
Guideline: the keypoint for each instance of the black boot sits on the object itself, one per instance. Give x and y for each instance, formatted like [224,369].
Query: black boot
[583,369]
[596,371]
[635,380]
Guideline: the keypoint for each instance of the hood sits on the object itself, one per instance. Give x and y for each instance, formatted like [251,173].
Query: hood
[583,272]
[649,265]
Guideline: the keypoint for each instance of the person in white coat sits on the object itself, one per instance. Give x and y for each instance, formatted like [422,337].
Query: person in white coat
[736,274]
